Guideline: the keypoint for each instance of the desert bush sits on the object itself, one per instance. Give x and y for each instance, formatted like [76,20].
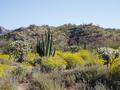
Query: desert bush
[4,69]
[68,80]
[53,63]
[85,86]
[90,57]
[4,56]
[82,78]
[85,54]
[3,45]
[72,59]
[20,73]
[92,77]
[19,50]
[46,81]
[116,72]
[73,48]
[100,86]
[7,84]
[5,59]
[31,58]
[5,62]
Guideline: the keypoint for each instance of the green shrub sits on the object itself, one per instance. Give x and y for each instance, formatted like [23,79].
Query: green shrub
[83,78]
[20,72]
[46,81]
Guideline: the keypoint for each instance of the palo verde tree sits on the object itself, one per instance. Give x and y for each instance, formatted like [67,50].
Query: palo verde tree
[45,46]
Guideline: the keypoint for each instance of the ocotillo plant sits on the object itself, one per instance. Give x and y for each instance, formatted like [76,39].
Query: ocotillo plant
[45,46]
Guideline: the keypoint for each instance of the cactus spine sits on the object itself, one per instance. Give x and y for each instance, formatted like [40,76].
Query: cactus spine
[45,46]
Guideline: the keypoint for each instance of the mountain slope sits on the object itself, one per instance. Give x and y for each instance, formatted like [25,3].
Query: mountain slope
[3,30]
[69,34]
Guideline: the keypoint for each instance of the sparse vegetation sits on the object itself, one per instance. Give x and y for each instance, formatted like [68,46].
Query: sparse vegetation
[74,65]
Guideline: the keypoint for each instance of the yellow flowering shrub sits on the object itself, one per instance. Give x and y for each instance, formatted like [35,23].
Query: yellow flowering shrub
[58,52]
[54,63]
[85,54]
[31,57]
[90,57]
[115,68]
[99,61]
[4,68]
[4,56]
[115,64]
[26,66]
[73,59]
[6,59]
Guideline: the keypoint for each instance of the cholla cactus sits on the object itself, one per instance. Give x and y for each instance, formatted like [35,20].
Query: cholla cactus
[108,53]
[18,49]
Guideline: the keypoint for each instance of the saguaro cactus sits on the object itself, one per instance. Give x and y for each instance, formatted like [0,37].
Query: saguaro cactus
[45,46]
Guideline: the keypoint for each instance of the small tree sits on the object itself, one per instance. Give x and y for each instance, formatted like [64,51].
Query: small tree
[18,49]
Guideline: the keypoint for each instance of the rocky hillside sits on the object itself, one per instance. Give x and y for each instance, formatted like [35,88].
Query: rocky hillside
[70,35]
[3,30]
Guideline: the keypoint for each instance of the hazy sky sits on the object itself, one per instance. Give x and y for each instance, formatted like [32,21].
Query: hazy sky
[17,13]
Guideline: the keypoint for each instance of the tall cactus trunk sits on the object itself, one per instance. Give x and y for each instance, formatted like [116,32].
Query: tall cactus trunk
[48,43]
[53,52]
[51,43]
[45,47]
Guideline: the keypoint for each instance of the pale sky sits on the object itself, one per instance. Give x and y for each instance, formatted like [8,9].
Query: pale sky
[18,13]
